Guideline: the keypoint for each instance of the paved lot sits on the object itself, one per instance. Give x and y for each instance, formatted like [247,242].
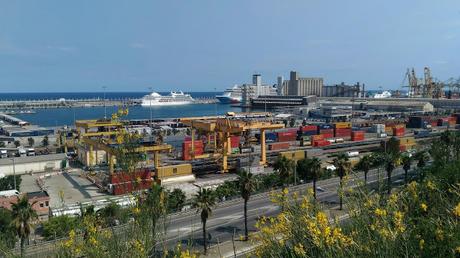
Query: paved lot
[75,188]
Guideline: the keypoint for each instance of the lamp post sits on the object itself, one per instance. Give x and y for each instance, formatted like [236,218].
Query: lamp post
[105,107]
[14,173]
[151,117]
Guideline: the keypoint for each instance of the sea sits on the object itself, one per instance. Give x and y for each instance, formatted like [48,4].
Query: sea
[67,116]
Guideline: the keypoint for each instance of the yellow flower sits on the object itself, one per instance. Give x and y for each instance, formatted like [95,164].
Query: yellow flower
[136,210]
[299,250]
[430,185]
[421,244]
[285,191]
[380,212]
[423,206]
[392,199]
[439,235]
[93,240]
[457,210]
[457,250]
[72,234]
[68,243]
[412,187]
[321,218]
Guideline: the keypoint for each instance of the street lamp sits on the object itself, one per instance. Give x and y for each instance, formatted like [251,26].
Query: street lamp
[105,107]
[151,119]
[14,173]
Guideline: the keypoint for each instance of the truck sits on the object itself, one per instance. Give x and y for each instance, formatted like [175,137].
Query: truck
[22,152]
[352,154]
[30,152]
[3,154]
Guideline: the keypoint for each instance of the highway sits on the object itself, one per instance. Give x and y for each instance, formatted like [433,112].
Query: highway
[227,217]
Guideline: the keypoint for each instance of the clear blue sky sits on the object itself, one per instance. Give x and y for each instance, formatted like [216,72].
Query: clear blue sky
[55,45]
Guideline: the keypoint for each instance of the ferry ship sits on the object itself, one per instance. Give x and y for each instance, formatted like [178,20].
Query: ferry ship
[174,98]
[231,96]
[383,95]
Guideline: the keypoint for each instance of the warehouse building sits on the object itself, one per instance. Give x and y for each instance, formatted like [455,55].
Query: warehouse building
[298,86]
[31,164]
[343,90]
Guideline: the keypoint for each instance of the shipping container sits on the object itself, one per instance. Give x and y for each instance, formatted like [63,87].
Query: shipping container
[278,146]
[304,142]
[378,128]
[339,140]
[321,143]
[286,136]
[246,150]
[399,131]
[325,126]
[341,125]
[308,128]
[294,155]
[174,170]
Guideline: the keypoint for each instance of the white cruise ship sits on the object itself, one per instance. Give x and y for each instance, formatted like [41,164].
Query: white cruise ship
[174,98]
[232,95]
[383,95]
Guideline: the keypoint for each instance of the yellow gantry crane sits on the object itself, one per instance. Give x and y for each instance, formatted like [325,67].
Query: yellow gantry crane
[106,134]
[223,128]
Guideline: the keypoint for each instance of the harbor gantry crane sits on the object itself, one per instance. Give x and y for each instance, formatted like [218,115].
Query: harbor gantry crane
[223,128]
[94,135]
[228,127]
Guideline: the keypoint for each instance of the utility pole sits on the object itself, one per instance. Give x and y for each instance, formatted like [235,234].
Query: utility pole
[14,174]
[215,104]
[105,107]
[151,117]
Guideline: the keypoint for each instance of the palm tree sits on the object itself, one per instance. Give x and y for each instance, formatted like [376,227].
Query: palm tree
[421,158]
[204,200]
[364,165]
[310,168]
[247,185]
[23,214]
[391,161]
[406,162]
[155,205]
[285,167]
[342,168]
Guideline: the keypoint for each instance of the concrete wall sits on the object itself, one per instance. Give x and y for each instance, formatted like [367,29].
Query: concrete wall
[24,165]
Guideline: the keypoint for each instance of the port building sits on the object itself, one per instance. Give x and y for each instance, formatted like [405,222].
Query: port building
[298,86]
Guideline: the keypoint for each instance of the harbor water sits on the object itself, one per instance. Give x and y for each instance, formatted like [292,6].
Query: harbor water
[67,116]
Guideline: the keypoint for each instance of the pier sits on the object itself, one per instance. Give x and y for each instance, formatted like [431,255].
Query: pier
[74,103]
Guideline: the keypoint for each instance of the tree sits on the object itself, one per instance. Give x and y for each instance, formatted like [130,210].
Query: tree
[110,213]
[45,141]
[364,165]
[204,202]
[176,200]
[247,186]
[7,183]
[7,231]
[421,158]
[292,122]
[310,169]
[392,146]
[31,141]
[284,167]
[59,226]
[155,207]
[23,215]
[2,144]
[17,143]
[342,168]
[406,162]
[391,161]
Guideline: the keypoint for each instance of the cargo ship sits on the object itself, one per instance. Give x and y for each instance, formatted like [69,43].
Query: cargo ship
[174,98]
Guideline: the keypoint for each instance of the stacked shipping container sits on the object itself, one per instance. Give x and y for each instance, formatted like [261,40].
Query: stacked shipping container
[187,149]
[357,136]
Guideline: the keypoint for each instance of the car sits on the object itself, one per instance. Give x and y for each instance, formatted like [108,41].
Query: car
[320,189]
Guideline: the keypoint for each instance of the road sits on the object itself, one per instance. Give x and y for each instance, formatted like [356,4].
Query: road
[227,217]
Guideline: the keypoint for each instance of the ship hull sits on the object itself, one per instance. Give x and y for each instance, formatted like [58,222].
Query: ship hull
[228,100]
[146,103]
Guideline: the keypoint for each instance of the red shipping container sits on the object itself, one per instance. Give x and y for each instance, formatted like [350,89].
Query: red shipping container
[434,123]
[309,128]
[399,131]
[321,143]
[278,146]
[287,136]
[327,135]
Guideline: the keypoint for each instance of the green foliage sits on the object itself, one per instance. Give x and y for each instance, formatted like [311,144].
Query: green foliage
[392,146]
[227,189]
[45,141]
[126,154]
[23,216]
[292,122]
[285,168]
[176,200]
[17,143]
[7,231]
[60,226]
[7,183]
[31,141]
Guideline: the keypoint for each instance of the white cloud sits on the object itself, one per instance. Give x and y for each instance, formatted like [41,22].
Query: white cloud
[63,48]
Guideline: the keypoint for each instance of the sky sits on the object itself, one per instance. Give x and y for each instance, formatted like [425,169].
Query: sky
[199,45]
